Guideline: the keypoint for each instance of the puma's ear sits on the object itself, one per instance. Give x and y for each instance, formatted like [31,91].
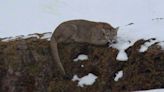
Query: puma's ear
[117,28]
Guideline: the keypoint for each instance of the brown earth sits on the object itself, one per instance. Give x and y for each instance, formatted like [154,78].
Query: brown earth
[27,66]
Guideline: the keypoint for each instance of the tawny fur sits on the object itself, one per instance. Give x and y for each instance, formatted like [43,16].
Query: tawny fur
[81,31]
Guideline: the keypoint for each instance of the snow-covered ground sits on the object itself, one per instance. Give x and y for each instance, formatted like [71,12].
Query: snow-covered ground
[145,17]
[23,17]
[146,29]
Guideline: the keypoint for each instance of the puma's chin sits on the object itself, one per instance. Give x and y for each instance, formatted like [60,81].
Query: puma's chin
[112,41]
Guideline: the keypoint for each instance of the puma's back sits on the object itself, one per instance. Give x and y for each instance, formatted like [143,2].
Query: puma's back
[85,31]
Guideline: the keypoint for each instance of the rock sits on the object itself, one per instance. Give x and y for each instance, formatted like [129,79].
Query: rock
[26,66]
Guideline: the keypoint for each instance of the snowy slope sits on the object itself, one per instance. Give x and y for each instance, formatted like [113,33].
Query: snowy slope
[45,16]
[137,19]
[143,14]
[21,18]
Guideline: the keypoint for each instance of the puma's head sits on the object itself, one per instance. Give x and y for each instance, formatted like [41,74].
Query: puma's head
[110,34]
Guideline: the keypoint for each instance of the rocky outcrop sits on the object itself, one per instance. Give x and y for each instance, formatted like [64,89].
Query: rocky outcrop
[26,65]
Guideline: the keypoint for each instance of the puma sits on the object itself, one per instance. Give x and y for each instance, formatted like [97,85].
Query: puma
[81,31]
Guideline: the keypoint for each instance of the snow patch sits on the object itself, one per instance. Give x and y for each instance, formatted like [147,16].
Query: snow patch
[75,78]
[47,36]
[146,45]
[161,44]
[122,44]
[82,66]
[153,90]
[86,80]
[8,39]
[122,56]
[81,57]
[118,75]
[30,36]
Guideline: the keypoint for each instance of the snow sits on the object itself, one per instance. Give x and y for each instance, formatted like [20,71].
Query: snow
[47,35]
[129,34]
[161,44]
[75,78]
[81,57]
[118,75]
[153,90]
[122,56]
[31,35]
[122,44]
[86,80]
[45,16]
[146,16]
[8,39]
[82,66]
[146,45]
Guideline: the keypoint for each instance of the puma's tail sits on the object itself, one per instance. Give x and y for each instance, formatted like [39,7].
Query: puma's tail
[55,55]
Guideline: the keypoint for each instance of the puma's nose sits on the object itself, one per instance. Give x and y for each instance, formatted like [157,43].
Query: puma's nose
[113,41]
